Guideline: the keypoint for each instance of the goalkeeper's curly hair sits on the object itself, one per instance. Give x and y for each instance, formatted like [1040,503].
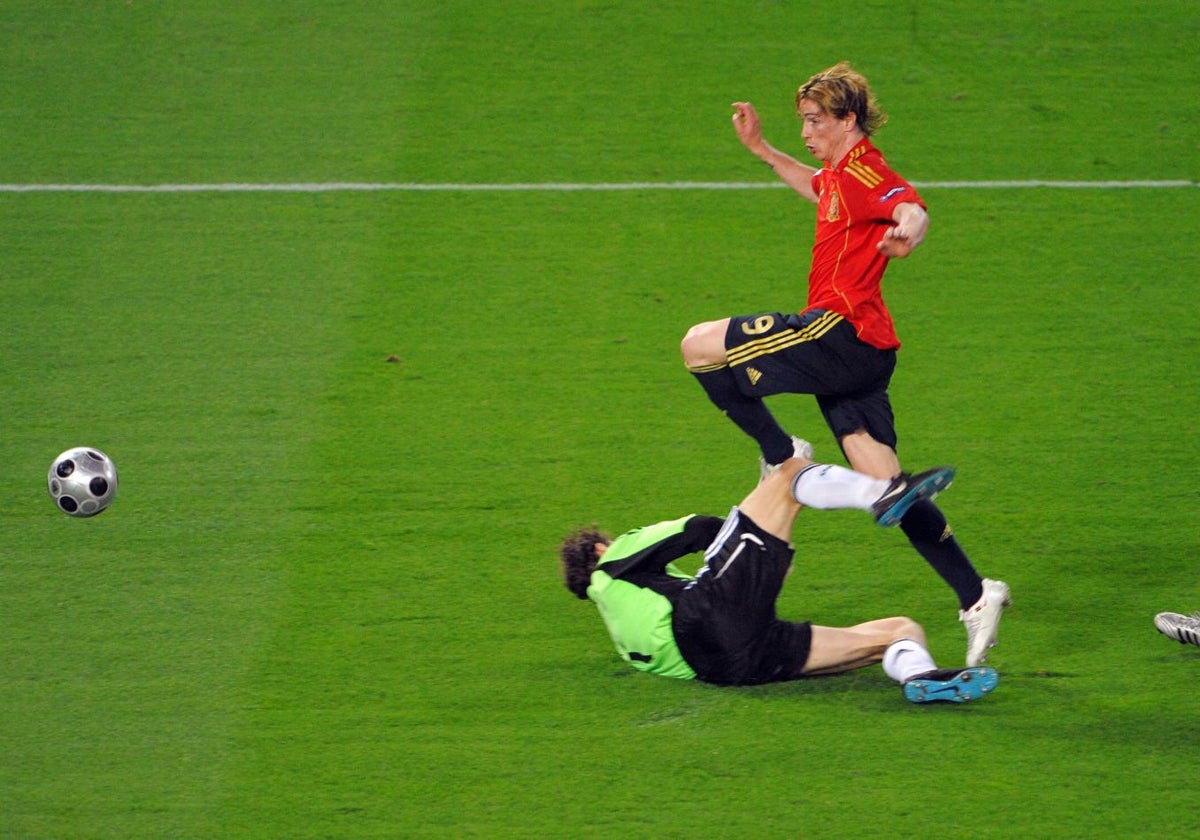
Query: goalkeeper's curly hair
[842,91]
[578,553]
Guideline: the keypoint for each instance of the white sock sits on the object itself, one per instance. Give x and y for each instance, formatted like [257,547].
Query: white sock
[905,659]
[830,487]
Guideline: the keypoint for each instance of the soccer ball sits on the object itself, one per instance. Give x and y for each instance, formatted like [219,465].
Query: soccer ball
[82,481]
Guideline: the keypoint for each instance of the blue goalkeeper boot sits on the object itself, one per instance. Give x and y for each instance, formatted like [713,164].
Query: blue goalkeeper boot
[950,685]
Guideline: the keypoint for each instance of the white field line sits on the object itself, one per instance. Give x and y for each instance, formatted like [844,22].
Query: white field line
[349,186]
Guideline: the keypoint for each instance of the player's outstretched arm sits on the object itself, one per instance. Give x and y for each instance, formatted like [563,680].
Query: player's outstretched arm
[792,172]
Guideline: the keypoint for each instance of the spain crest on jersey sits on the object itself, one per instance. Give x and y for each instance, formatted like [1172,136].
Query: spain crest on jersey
[833,206]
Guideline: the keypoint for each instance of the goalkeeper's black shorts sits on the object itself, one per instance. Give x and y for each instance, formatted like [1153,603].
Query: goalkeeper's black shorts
[725,622]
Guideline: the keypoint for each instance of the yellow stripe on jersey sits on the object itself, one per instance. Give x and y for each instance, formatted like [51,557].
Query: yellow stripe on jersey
[708,368]
[868,176]
[783,339]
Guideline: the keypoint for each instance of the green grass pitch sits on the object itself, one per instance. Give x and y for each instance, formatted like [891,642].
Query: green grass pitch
[351,426]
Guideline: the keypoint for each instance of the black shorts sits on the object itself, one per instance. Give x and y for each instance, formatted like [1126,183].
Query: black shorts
[725,622]
[817,352]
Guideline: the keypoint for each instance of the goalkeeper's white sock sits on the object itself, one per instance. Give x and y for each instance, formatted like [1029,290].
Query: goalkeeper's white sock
[830,487]
[905,659]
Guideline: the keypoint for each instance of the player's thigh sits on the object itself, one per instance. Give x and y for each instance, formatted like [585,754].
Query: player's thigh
[772,353]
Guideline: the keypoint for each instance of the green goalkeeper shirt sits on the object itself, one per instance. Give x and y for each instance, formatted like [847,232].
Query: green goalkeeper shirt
[635,587]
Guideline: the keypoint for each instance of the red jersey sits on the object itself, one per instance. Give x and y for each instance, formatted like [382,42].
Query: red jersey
[855,202]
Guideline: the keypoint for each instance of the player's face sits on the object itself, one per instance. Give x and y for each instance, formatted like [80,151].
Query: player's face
[824,135]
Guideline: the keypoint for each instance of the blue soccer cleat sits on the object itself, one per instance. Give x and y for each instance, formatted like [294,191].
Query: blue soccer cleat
[905,490]
[951,686]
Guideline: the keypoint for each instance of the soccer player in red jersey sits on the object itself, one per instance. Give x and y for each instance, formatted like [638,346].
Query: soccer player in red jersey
[842,346]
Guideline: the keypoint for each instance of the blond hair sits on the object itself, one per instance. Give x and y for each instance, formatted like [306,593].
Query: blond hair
[842,91]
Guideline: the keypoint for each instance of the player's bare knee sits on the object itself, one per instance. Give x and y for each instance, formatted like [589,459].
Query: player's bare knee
[688,346]
[683,346]
[704,344]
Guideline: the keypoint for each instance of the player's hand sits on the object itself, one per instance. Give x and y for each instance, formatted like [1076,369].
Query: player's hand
[895,243]
[900,239]
[747,125]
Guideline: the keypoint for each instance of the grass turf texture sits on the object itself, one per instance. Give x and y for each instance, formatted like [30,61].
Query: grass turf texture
[325,602]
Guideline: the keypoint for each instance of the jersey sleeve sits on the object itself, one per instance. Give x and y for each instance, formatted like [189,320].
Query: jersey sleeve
[881,188]
[900,192]
[891,191]
[701,531]
[654,547]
